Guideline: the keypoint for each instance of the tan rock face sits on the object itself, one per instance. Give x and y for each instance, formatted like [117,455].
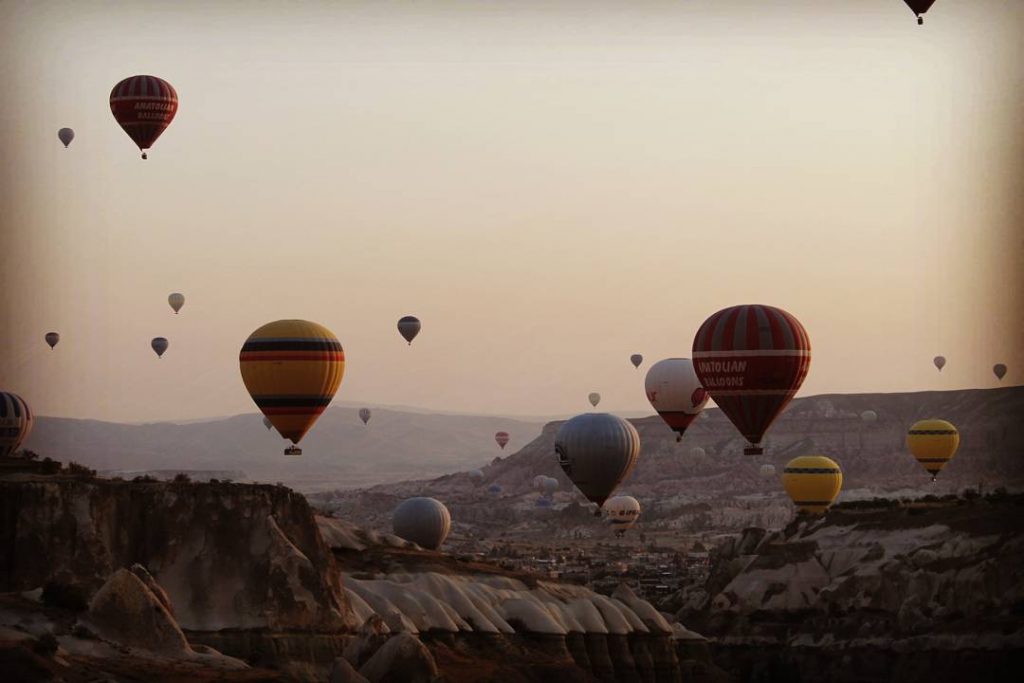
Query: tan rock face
[125,611]
[229,556]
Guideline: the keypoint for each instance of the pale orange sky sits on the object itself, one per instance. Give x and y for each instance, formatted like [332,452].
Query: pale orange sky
[548,188]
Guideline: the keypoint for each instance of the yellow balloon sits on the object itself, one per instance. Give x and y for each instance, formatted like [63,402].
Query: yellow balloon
[813,482]
[933,443]
[292,368]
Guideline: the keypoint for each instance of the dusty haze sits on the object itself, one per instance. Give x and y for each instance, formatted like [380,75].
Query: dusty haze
[548,189]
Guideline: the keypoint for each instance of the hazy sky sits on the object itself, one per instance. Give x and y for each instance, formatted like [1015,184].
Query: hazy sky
[550,188]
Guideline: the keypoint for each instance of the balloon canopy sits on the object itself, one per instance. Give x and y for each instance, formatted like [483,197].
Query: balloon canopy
[933,443]
[143,106]
[597,451]
[409,326]
[675,393]
[812,482]
[15,422]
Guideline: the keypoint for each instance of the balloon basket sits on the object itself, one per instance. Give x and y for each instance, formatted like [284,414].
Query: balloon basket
[753,450]
[293,450]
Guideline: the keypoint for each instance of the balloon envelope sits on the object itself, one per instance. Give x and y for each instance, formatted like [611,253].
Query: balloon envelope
[548,485]
[15,422]
[752,360]
[494,488]
[66,135]
[424,521]
[594,398]
[597,451]
[869,416]
[919,7]
[476,476]
[176,301]
[52,338]
[636,359]
[502,439]
[675,392]
[621,512]
[999,370]
[933,443]
[292,369]
[767,471]
[409,327]
[812,482]
[159,344]
[939,362]
[143,106]
[364,415]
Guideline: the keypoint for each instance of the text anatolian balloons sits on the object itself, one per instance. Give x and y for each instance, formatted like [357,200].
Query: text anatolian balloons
[364,415]
[52,338]
[594,398]
[597,451]
[636,359]
[409,326]
[176,301]
[424,521]
[143,106]
[66,135]
[502,439]
[939,362]
[675,392]
[159,344]
[292,369]
[752,360]
[15,422]
[999,370]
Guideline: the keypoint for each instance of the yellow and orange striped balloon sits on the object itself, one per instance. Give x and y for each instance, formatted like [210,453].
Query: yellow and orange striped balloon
[292,368]
[933,444]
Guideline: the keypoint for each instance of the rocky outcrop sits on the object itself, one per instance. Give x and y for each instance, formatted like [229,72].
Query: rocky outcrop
[402,659]
[228,556]
[125,611]
[898,583]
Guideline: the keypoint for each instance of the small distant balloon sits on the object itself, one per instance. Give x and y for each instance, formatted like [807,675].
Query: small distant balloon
[409,326]
[66,135]
[364,415]
[52,338]
[15,422]
[621,513]
[919,7]
[767,471]
[476,476]
[594,398]
[940,362]
[159,345]
[869,416]
[502,439]
[494,489]
[176,301]
[636,359]
[999,370]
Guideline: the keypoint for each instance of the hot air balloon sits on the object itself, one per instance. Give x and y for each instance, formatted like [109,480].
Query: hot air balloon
[494,489]
[697,452]
[812,482]
[424,521]
[159,345]
[752,360]
[292,368]
[537,482]
[594,398]
[767,471]
[939,362]
[919,7]
[933,443]
[621,512]
[364,415]
[52,338]
[675,392]
[548,485]
[597,451]
[636,359]
[176,301]
[15,422]
[66,135]
[409,327]
[143,106]
[502,439]
[476,476]
[543,502]
[267,423]
[999,370]
[869,416]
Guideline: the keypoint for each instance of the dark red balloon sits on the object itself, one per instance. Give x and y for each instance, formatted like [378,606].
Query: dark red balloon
[752,360]
[144,106]
[919,7]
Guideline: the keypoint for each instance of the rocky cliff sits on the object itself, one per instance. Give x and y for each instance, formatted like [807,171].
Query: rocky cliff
[930,590]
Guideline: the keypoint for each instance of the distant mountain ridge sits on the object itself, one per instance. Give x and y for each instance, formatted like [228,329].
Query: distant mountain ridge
[340,451]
